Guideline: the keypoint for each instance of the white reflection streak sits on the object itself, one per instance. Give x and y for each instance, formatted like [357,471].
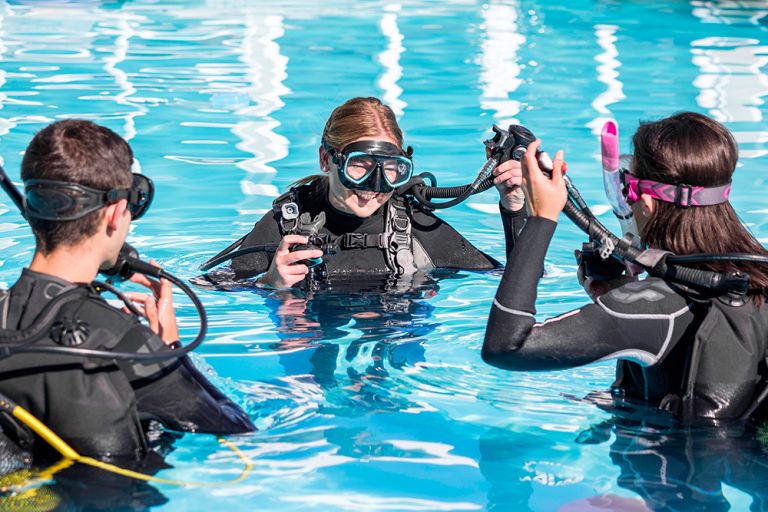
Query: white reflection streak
[364,502]
[267,69]
[6,125]
[390,59]
[125,32]
[501,71]
[440,454]
[607,73]
[731,82]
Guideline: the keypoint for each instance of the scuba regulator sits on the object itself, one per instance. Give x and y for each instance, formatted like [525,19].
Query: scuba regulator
[505,145]
[606,255]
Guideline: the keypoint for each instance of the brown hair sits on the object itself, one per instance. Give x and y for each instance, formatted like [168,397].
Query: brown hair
[354,119]
[79,152]
[692,149]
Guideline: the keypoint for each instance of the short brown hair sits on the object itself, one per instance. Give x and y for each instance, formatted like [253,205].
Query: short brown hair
[81,152]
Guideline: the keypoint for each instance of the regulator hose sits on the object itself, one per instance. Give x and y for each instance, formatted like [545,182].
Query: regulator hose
[659,263]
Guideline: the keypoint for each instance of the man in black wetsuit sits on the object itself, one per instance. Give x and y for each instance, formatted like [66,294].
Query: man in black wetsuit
[80,198]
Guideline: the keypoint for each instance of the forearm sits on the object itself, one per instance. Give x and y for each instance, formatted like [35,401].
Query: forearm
[512,313]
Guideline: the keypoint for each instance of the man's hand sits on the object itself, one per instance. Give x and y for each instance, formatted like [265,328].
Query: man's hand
[156,307]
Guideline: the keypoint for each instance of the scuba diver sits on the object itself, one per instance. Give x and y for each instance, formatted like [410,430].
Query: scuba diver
[351,220]
[695,354]
[80,198]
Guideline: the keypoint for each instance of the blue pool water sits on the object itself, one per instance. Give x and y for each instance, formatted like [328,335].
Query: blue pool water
[383,403]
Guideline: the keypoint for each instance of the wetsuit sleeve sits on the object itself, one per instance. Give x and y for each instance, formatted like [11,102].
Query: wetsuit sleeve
[513,222]
[446,247]
[265,231]
[174,392]
[181,398]
[640,321]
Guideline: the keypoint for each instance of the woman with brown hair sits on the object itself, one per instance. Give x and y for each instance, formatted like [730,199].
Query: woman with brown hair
[690,353]
[349,221]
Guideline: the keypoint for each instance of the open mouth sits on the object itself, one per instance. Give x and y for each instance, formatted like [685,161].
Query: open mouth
[365,195]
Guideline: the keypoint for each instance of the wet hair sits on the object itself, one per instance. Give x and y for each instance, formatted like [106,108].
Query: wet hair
[79,152]
[355,119]
[693,149]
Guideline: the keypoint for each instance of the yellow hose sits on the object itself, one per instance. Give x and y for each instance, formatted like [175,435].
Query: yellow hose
[68,452]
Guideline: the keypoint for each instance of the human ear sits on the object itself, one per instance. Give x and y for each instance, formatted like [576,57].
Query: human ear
[324,159]
[647,204]
[114,213]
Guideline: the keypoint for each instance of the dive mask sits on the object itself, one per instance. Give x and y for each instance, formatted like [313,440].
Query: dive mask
[64,201]
[682,196]
[373,165]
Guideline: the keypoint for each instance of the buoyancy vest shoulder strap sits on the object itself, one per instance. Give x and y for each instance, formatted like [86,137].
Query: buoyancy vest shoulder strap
[45,318]
[5,300]
[397,229]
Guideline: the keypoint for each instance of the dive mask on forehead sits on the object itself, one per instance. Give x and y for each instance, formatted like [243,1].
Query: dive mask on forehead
[373,165]
[64,201]
[682,196]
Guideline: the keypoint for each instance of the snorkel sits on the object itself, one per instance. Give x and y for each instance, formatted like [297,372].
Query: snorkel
[609,147]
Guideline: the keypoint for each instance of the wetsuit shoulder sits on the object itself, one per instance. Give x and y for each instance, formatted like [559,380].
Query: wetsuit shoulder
[446,247]
[265,231]
[647,298]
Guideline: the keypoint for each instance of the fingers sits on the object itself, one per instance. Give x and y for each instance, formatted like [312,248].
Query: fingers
[143,281]
[288,241]
[557,167]
[147,306]
[530,164]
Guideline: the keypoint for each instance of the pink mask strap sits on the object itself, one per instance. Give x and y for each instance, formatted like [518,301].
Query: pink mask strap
[682,196]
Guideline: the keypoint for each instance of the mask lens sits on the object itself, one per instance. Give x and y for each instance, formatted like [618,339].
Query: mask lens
[397,171]
[359,166]
[142,193]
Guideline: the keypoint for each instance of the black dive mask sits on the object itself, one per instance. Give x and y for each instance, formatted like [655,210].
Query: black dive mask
[372,165]
[64,201]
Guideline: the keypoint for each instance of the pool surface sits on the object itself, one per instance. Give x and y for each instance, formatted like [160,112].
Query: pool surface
[366,401]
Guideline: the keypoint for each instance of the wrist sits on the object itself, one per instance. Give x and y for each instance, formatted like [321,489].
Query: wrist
[511,206]
[553,216]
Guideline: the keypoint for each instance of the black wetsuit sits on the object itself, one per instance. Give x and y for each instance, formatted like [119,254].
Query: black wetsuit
[654,329]
[444,246]
[98,406]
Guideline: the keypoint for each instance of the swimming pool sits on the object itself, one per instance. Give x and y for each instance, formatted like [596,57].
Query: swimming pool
[383,403]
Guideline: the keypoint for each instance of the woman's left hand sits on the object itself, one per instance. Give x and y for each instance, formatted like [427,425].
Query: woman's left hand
[508,178]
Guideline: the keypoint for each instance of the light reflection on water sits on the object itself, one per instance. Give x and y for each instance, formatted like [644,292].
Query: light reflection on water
[368,401]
